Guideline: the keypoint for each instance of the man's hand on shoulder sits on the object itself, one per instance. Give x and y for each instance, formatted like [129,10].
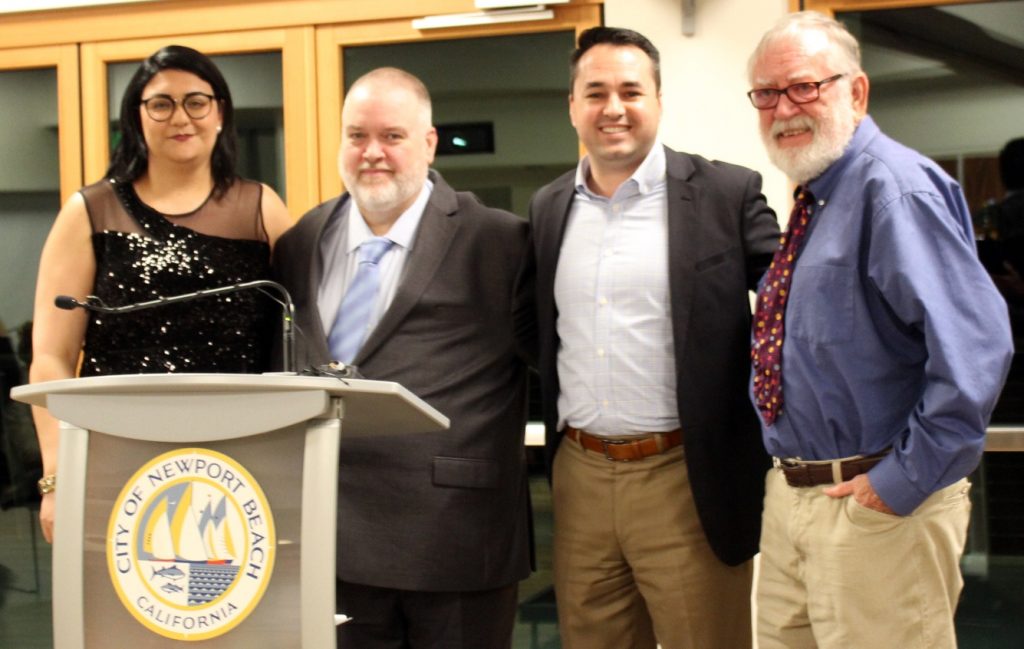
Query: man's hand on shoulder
[860,488]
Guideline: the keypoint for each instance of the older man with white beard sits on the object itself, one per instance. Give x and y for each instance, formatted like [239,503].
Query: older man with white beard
[879,348]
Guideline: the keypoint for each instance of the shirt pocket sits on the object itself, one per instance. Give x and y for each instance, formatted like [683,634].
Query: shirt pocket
[820,309]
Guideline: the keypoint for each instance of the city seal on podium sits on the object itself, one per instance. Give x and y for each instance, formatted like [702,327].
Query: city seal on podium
[191,544]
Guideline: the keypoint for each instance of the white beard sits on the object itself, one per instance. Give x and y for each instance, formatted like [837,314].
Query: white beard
[831,134]
[382,197]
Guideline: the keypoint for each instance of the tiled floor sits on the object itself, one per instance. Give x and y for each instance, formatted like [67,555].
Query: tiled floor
[24,606]
[991,614]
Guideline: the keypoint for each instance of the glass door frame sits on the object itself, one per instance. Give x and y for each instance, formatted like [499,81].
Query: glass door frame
[296,45]
[331,41]
[64,58]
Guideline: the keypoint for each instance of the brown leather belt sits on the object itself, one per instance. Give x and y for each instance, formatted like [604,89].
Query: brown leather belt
[811,474]
[628,449]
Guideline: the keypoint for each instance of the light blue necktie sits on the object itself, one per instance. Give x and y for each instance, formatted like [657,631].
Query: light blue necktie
[351,326]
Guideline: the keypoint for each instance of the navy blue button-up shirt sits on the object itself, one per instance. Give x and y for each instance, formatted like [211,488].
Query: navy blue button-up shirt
[895,335]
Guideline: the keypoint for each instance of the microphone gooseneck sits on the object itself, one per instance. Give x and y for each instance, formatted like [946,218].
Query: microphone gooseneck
[96,305]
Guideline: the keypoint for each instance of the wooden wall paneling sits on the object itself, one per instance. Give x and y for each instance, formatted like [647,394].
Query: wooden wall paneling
[330,85]
[69,120]
[301,139]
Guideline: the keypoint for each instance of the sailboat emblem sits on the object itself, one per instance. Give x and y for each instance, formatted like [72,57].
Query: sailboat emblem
[190,544]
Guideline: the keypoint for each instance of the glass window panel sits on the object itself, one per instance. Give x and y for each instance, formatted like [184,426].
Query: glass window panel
[255,83]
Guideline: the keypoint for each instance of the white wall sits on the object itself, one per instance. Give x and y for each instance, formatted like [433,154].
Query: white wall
[545,117]
[704,78]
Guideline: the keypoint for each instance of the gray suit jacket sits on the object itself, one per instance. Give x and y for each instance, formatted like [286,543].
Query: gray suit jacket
[443,511]
[721,238]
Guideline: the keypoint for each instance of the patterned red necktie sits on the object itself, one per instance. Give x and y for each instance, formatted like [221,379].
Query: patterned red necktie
[766,352]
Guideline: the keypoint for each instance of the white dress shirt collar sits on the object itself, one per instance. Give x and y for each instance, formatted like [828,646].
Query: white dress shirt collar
[647,177]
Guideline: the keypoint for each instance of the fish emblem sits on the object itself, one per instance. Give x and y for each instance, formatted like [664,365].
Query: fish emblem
[172,572]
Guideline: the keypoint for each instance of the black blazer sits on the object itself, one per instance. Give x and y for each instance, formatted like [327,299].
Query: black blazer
[443,511]
[722,235]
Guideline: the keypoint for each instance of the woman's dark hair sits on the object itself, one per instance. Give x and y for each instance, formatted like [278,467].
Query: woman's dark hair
[130,158]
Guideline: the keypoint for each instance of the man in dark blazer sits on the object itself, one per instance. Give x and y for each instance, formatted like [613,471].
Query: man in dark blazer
[644,261]
[433,529]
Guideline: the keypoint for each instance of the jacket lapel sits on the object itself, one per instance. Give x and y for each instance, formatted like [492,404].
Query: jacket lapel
[684,229]
[434,237]
[551,230]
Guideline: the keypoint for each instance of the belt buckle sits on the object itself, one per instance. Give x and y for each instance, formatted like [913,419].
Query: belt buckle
[605,443]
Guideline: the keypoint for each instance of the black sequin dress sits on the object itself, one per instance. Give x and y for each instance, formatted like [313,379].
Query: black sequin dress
[142,255]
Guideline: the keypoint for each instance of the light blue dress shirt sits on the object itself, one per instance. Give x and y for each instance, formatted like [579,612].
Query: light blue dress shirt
[340,260]
[616,361]
[895,335]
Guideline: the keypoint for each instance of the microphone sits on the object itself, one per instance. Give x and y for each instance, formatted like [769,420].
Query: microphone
[68,303]
[96,305]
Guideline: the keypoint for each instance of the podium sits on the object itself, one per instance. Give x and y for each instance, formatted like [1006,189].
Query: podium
[202,507]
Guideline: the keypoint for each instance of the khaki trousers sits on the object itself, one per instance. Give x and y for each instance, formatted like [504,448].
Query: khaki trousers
[835,574]
[632,565]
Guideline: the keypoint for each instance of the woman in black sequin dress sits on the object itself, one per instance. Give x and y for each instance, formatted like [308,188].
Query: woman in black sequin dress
[170,217]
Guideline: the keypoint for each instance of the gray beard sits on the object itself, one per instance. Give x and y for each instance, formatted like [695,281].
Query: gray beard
[831,137]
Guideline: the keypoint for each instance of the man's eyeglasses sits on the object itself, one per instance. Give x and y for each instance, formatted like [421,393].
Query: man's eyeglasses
[196,105]
[798,93]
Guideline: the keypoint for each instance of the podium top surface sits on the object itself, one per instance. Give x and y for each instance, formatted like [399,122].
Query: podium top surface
[152,406]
